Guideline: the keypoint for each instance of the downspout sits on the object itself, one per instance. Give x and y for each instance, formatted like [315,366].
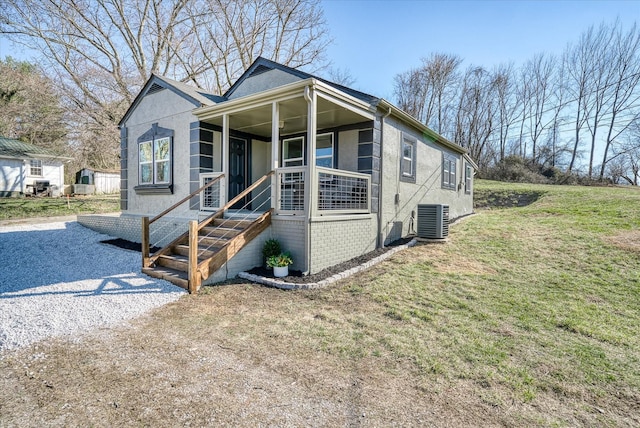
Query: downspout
[307,230]
[380,242]
[23,169]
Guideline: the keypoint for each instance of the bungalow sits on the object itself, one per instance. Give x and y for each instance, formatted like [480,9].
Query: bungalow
[27,169]
[330,172]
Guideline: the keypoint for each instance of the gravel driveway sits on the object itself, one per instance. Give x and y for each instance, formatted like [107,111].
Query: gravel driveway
[57,278]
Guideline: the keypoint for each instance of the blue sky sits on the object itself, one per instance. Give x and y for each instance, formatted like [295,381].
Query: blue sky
[375,40]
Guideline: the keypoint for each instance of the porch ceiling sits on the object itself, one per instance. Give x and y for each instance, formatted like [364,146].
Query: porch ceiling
[293,115]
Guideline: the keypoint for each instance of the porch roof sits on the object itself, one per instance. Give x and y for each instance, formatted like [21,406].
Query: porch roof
[253,113]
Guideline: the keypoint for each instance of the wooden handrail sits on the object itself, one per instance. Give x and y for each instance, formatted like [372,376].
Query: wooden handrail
[191,195]
[229,204]
[150,259]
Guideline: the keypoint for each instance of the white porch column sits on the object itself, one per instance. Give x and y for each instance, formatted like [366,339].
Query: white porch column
[224,153]
[311,180]
[275,150]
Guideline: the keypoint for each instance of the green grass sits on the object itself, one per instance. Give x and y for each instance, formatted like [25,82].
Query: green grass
[528,316]
[531,304]
[558,307]
[20,208]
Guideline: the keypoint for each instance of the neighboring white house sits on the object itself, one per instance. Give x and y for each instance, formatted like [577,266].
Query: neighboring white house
[25,168]
[340,172]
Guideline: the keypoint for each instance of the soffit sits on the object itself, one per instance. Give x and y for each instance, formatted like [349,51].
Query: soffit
[293,115]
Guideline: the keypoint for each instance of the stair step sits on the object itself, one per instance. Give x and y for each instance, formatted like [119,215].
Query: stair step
[226,232]
[173,276]
[211,243]
[228,223]
[174,261]
[203,251]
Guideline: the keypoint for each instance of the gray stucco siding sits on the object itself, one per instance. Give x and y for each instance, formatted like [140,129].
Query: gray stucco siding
[169,111]
[400,198]
[348,150]
[263,82]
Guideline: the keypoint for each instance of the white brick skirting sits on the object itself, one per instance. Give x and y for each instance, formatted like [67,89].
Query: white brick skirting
[129,227]
[335,241]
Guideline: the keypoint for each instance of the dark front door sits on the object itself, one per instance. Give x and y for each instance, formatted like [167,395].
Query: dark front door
[238,169]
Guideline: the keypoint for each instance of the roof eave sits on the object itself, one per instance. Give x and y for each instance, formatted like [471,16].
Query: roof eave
[406,117]
[277,94]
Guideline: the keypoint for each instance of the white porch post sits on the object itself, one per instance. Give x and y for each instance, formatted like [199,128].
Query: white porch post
[275,150]
[224,153]
[311,180]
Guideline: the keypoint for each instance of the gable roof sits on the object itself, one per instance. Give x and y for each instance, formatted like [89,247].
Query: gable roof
[196,96]
[262,65]
[16,149]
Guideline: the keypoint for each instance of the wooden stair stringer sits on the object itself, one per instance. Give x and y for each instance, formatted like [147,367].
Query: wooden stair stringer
[209,266]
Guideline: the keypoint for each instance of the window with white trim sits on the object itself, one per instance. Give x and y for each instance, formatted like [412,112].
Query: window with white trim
[155,161]
[324,150]
[293,151]
[408,159]
[35,167]
[449,167]
[468,174]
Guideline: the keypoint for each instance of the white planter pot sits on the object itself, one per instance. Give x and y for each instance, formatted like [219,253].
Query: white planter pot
[280,272]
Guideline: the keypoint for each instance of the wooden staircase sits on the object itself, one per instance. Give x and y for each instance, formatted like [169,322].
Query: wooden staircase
[197,254]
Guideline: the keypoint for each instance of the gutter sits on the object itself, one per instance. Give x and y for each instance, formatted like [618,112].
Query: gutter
[380,239]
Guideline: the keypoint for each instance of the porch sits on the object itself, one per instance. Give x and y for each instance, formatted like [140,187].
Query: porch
[312,147]
[317,140]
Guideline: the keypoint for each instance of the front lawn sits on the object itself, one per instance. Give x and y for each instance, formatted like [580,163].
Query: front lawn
[23,207]
[528,316]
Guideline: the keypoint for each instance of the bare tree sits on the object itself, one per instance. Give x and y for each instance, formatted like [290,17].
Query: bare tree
[538,78]
[428,92]
[232,34]
[29,106]
[580,69]
[100,52]
[411,90]
[508,105]
[623,106]
[341,76]
[475,120]
[441,76]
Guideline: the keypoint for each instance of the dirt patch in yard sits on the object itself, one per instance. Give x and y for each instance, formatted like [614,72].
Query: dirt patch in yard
[488,199]
[628,241]
[195,363]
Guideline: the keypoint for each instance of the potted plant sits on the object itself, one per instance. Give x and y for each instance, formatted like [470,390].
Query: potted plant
[270,248]
[280,264]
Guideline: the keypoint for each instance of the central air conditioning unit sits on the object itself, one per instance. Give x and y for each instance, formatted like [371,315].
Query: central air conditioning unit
[433,221]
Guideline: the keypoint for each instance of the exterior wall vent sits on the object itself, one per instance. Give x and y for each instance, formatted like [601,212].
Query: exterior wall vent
[260,69]
[433,221]
[154,88]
